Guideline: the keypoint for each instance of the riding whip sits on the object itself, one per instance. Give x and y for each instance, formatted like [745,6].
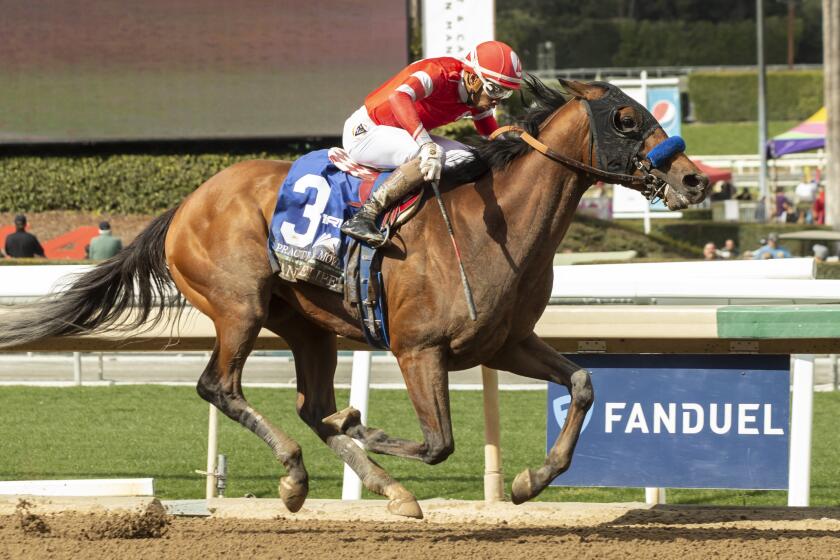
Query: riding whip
[467,291]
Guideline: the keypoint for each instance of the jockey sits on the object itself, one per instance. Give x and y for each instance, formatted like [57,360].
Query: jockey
[390,131]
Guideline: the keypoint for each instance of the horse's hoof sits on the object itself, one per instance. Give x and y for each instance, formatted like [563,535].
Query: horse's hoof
[406,507]
[522,488]
[293,493]
[344,419]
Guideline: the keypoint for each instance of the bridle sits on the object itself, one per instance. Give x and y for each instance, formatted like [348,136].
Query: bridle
[648,184]
[651,186]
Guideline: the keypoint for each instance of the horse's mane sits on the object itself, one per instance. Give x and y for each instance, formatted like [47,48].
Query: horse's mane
[501,152]
[498,153]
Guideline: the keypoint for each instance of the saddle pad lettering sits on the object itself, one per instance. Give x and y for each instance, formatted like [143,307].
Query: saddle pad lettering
[304,239]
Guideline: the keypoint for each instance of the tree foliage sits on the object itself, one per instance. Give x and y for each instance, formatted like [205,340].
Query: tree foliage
[657,32]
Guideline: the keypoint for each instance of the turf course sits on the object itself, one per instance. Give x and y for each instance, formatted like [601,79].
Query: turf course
[728,138]
[160,432]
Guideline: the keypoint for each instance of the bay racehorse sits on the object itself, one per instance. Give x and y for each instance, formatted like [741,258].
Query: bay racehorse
[509,223]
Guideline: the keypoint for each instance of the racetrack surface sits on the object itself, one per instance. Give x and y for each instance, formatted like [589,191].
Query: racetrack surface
[546,531]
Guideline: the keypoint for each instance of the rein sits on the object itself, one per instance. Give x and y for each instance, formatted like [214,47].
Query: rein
[649,185]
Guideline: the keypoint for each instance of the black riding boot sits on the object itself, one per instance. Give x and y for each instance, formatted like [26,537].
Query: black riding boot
[404,180]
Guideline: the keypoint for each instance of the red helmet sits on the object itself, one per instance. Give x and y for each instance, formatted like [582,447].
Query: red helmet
[495,62]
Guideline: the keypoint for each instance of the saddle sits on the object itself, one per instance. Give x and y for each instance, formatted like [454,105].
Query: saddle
[395,216]
[363,287]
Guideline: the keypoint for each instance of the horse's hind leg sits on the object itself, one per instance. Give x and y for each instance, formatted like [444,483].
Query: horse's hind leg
[220,384]
[237,301]
[534,358]
[315,360]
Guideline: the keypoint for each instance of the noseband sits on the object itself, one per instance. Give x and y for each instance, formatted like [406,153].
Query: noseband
[651,186]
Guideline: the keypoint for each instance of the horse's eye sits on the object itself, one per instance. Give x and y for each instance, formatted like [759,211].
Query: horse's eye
[625,123]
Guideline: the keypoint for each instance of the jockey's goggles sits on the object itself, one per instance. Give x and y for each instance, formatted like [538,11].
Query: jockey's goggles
[493,90]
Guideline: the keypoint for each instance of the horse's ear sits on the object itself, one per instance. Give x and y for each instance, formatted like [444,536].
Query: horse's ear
[581,89]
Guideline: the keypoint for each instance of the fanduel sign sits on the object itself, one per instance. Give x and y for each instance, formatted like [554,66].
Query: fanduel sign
[680,422]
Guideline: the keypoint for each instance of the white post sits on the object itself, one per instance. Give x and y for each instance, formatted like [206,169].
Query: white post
[359,381]
[643,79]
[493,479]
[654,496]
[212,450]
[801,418]
[77,368]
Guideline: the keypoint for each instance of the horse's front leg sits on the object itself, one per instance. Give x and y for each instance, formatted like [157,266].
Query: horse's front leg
[534,358]
[427,382]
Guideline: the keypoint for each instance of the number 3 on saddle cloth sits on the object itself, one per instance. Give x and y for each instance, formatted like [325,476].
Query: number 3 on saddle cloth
[322,190]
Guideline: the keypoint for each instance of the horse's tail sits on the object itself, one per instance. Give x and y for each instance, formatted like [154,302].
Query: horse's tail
[136,280]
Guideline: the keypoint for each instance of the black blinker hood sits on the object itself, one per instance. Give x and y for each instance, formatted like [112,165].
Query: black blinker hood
[616,149]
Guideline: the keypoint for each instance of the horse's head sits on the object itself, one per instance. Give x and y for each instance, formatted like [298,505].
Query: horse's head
[626,139]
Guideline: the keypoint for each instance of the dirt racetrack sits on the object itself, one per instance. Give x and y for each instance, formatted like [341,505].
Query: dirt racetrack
[241,530]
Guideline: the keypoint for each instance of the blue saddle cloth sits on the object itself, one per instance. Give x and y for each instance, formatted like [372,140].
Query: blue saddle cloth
[304,240]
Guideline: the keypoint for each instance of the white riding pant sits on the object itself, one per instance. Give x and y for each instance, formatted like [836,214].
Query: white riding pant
[388,147]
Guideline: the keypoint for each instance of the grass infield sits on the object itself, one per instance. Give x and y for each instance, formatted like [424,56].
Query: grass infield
[728,138]
[161,432]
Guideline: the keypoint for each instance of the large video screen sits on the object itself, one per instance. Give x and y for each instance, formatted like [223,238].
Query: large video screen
[191,69]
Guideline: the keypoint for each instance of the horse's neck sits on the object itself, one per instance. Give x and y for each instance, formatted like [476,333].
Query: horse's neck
[538,196]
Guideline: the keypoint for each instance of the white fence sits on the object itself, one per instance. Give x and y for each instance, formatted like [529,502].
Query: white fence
[787,170]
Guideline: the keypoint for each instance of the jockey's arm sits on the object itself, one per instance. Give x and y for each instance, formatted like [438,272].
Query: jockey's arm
[417,86]
[485,123]
[402,105]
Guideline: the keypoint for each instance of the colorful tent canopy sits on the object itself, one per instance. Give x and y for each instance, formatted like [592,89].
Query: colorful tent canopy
[807,135]
[714,174]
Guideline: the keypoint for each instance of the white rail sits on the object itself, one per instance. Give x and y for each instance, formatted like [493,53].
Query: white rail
[784,280]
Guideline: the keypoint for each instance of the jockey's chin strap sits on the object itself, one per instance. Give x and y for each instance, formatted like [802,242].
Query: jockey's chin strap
[649,185]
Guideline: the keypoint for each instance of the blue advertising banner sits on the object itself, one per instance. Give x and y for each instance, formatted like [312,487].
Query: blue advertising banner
[680,422]
[664,104]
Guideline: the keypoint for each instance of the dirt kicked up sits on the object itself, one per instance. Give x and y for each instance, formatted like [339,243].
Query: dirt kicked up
[545,531]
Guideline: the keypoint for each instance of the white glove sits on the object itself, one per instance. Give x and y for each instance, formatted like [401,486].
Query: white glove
[431,161]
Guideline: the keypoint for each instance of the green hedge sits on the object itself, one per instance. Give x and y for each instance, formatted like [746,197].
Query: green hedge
[118,184]
[732,96]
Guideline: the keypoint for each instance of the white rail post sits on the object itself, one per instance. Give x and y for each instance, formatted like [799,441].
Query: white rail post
[493,479]
[801,419]
[351,488]
[77,368]
[654,496]
[212,450]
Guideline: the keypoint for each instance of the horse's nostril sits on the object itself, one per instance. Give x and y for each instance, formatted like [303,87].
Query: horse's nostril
[694,180]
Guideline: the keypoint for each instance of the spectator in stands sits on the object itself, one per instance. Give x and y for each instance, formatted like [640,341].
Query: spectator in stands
[820,252]
[745,194]
[761,210]
[722,190]
[772,250]
[104,246]
[780,202]
[819,205]
[729,251]
[21,244]
[710,252]
[805,192]
[789,214]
